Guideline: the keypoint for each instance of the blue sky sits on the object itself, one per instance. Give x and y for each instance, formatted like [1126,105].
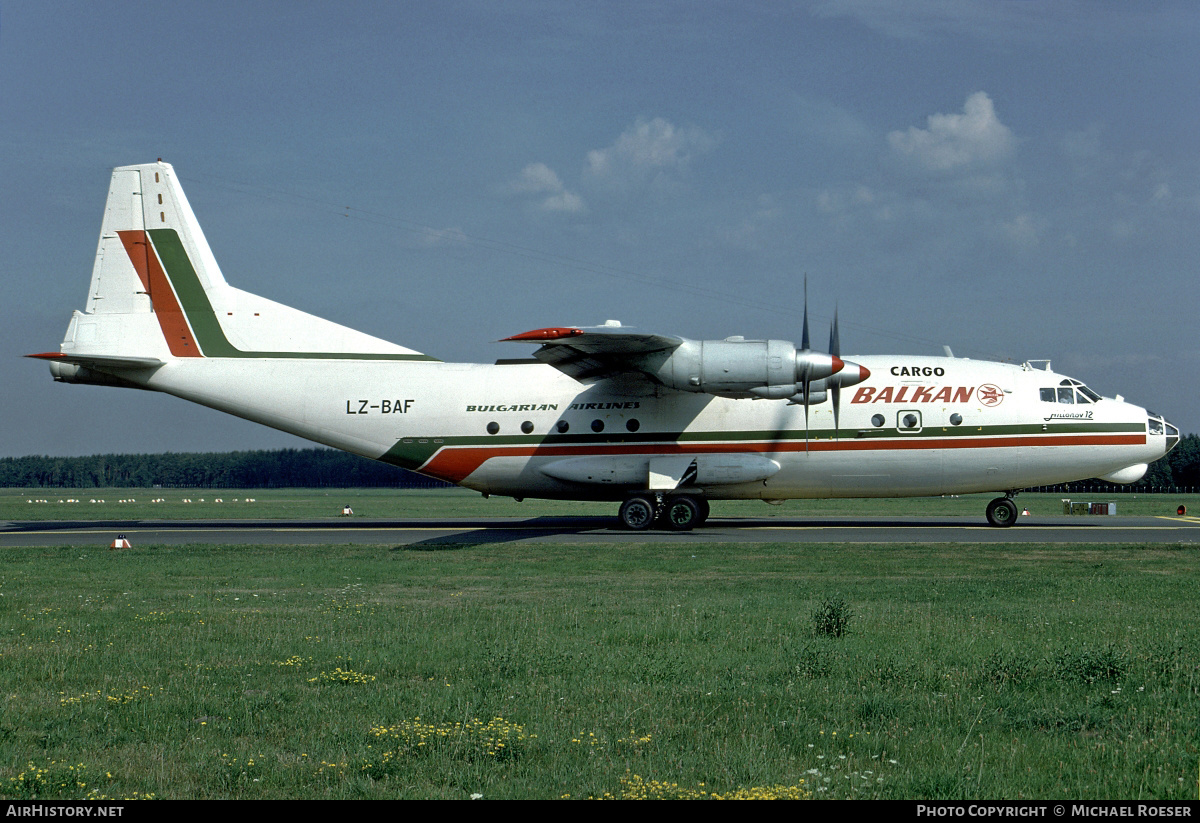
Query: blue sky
[1013,179]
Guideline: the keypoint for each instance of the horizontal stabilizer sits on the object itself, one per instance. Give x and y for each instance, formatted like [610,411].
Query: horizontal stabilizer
[100,369]
[100,360]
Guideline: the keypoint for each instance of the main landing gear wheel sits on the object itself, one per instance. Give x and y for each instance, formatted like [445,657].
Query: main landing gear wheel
[1002,512]
[637,513]
[682,514]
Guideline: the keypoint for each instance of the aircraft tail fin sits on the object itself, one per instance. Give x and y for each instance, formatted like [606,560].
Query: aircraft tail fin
[157,292]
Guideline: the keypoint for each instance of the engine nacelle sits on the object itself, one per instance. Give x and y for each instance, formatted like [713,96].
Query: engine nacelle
[818,390]
[743,368]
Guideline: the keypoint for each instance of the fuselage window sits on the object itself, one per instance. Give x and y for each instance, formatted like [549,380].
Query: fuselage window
[1049,396]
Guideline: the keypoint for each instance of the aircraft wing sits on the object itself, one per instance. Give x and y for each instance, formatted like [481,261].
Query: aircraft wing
[595,352]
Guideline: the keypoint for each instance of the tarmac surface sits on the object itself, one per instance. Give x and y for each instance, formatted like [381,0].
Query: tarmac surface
[433,533]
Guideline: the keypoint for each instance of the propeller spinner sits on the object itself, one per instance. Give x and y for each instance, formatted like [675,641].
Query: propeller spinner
[815,385]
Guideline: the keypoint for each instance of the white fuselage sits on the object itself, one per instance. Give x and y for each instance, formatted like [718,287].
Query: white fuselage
[917,426]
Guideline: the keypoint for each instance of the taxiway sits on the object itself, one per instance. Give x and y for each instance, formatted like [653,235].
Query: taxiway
[432,533]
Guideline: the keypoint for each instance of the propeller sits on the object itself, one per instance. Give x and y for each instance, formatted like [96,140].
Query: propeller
[844,373]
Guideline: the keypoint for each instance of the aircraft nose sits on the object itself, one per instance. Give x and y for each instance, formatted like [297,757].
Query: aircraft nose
[1156,424]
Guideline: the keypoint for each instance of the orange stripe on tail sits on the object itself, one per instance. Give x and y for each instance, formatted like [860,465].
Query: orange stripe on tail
[162,297]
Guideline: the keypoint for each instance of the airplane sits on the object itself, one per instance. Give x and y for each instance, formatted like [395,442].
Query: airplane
[658,423]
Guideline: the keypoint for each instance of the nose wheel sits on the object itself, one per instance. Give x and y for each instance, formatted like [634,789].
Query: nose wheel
[1002,512]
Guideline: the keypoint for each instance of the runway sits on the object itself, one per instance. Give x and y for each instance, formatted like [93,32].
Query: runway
[434,533]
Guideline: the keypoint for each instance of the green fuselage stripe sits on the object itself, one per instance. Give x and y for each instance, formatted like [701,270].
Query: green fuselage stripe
[412,452]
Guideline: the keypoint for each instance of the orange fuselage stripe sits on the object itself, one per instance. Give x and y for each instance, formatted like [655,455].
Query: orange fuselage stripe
[456,463]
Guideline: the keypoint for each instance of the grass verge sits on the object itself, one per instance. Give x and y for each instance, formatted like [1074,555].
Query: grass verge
[610,671]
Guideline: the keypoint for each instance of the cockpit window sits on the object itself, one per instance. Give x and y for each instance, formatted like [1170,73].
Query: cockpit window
[1069,391]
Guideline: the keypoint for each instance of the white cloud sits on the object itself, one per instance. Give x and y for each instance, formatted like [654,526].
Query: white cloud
[649,151]
[537,178]
[540,180]
[957,142]
[564,201]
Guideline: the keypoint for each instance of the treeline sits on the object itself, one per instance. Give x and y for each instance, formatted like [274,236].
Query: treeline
[284,468]
[328,468]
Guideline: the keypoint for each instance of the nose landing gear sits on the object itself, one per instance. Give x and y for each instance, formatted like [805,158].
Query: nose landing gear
[1002,512]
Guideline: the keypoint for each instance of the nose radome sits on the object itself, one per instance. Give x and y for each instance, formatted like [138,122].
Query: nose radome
[1156,424]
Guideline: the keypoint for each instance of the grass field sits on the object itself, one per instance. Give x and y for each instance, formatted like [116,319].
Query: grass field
[622,670]
[140,504]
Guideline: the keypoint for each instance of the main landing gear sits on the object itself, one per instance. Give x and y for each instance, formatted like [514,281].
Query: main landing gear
[684,512]
[1002,512]
[679,513]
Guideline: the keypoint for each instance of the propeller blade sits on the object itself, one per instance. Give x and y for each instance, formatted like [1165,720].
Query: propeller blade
[804,337]
[804,379]
[806,386]
[835,349]
[835,343]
